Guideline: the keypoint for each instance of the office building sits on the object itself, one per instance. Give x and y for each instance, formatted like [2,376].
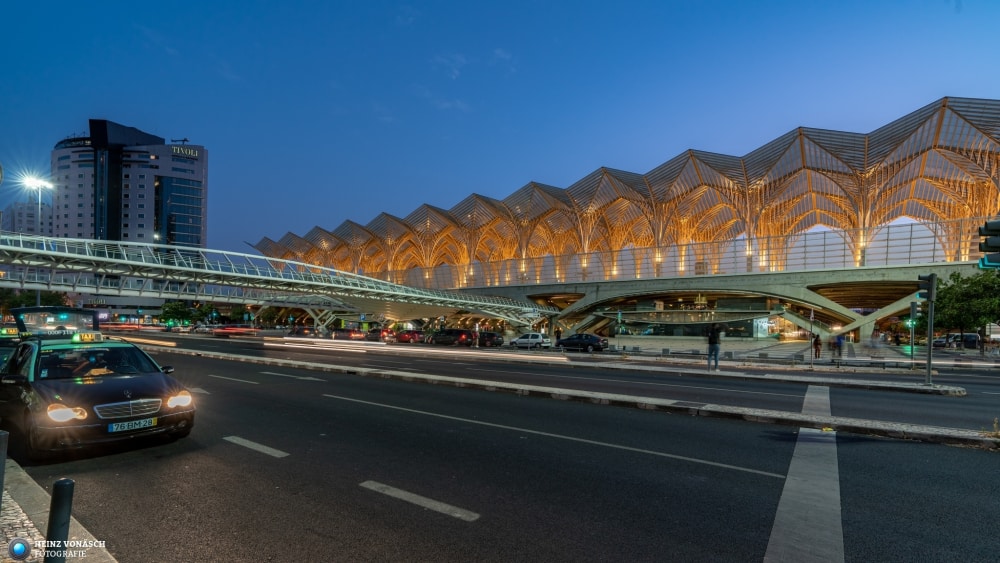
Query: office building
[22,217]
[120,183]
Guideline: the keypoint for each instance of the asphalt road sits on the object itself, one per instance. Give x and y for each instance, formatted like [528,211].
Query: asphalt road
[295,465]
[975,411]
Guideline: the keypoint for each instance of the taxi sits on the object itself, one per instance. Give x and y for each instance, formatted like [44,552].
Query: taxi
[66,385]
[9,337]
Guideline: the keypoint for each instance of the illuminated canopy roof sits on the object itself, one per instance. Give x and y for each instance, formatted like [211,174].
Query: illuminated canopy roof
[938,163]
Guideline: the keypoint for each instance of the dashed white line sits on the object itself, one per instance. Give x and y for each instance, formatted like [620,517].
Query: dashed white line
[424,502]
[302,377]
[255,446]
[234,379]
[562,437]
[199,390]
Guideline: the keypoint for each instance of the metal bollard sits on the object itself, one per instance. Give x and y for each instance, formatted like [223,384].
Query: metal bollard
[59,517]
[4,438]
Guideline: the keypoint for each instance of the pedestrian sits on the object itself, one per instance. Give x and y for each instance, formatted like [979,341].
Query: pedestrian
[714,345]
[558,333]
[840,345]
[817,346]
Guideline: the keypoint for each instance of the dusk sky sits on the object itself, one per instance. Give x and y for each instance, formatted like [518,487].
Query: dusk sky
[317,112]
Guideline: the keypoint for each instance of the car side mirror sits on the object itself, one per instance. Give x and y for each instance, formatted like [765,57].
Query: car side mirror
[167,369]
[14,379]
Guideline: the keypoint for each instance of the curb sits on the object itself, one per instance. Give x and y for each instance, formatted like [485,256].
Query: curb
[32,515]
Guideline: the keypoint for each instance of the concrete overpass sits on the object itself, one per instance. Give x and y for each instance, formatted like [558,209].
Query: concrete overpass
[829,301]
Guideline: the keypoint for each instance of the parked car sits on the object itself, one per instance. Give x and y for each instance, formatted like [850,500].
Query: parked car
[303,331]
[488,339]
[410,336]
[70,388]
[10,336]
[532,340]
[954,340]
[380,335]
[348,334]
[583,342]
[452,336]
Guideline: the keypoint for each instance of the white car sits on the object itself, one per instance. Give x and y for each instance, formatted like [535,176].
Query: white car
[532,340]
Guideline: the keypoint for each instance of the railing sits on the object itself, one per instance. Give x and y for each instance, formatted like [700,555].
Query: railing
[898,244]
[200,273]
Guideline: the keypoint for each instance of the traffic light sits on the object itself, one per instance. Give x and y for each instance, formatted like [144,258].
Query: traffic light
[928,287]
[991,243]
[914,314]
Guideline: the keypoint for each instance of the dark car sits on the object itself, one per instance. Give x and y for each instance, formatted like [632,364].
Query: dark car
[380,335]
[487,339]
[67,388]
[348,334]
[452,337]
[10,336]
[410,336]
[583,342]
[304,332]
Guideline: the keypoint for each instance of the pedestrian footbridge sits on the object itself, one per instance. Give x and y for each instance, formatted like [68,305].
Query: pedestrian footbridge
[113,268]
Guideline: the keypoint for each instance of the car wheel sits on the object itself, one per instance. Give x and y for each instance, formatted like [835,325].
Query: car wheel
[590,347]
[28,440]
[183,433]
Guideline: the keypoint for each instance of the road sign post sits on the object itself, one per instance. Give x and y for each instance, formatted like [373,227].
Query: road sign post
[928,286]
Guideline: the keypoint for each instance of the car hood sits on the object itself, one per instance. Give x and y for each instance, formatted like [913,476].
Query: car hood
[107,388]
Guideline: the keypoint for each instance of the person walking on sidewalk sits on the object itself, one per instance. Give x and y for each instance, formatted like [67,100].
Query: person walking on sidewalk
[714,345]
[817,346]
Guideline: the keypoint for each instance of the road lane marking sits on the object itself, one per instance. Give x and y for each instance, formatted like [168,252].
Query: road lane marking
[199,390]
[807,524]
[255,446]
[234,379]
[562,437]
[638,382]
[424,502]
[302,377]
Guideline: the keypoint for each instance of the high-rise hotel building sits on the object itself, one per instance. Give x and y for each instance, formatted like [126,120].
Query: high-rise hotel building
[121,183]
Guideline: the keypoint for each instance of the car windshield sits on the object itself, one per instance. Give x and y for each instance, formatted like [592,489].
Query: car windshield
[92,361]
[56,319]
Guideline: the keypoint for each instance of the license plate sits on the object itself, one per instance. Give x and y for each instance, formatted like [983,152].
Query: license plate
[132,425]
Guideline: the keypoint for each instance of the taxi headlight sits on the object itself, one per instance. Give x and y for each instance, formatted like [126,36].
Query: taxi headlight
[62,413]
[182,399]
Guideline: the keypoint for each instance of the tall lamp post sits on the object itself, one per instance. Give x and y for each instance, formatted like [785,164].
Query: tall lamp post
[37,184]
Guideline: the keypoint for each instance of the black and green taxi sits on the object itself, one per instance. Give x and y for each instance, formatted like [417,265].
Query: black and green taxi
[68,386]
[9,337]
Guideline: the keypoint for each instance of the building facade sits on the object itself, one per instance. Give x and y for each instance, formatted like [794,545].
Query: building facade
[121,183]
[22,217]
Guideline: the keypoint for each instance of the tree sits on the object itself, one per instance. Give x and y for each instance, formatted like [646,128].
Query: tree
[12,298]
[968,303]
[176,312]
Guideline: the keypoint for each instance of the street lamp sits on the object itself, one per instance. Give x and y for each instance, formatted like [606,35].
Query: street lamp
[38,184]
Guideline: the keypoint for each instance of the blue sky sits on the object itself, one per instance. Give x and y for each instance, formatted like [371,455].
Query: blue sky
[316,112]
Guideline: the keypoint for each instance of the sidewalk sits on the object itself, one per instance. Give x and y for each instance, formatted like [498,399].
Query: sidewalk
[25,512]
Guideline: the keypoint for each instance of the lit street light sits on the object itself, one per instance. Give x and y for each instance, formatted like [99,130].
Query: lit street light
[37,184]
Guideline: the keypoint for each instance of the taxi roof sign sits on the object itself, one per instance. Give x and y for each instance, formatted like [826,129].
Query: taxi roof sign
[88,337]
